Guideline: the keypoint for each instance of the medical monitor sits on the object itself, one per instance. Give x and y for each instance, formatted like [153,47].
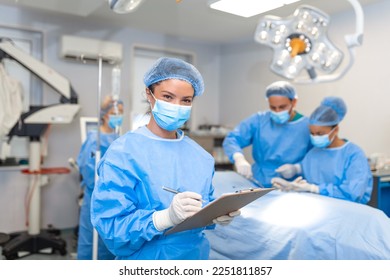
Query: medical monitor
[87,124]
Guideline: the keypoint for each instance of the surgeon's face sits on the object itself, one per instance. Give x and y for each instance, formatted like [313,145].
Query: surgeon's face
[280,103]
[112,110]
[173,91]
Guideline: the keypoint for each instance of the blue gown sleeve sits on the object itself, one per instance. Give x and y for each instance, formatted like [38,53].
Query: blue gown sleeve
[115,214]
[240,137]
[356,184]
[211,198]
[86,162]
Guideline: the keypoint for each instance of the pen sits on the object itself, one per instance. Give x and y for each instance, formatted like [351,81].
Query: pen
[174,191]
[170,190]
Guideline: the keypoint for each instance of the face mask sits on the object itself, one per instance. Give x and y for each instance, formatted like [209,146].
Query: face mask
[115,121]
[321,141]
[280,117]
[170,116]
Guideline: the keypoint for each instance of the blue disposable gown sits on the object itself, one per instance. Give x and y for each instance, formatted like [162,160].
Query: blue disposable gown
[86,163]
[341,172]
[272,144]
[129,191]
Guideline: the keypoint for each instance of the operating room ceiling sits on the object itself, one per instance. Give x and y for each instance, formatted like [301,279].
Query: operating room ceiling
[189,19]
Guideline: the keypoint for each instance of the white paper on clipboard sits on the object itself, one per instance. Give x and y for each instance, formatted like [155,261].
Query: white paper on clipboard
[225,204]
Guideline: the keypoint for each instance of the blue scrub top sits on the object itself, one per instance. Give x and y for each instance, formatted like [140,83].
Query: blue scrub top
[342,172]
[273,144]
[129,191]
[86,163]
[86,157]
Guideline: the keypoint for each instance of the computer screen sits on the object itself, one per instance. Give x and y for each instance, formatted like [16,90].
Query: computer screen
[87,124]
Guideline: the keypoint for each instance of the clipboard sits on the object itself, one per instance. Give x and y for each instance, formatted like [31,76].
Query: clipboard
[225,204]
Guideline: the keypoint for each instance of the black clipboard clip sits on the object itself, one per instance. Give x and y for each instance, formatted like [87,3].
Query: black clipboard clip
[245,190]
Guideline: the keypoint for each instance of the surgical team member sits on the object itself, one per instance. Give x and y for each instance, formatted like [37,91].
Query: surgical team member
[86,162]
[130,209]
[335,167]
[279,135]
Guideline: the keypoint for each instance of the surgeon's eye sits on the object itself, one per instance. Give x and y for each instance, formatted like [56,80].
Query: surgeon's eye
[167,97]
[282,107]
[187,102]
[318,134]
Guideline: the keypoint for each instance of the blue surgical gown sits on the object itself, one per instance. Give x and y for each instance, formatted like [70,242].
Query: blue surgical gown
[86,163]
[342,172]
[129,190]
[272,144]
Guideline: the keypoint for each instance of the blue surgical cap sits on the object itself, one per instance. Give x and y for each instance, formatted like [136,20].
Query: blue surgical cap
[166,68]
[281,88]
[105,109]
[331,112]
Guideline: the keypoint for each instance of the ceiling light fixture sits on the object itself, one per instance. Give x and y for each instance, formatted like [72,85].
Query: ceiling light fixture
[247,8]
[300,42]
[124,6]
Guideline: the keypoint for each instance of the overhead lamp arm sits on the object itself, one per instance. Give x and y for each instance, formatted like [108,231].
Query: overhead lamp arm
[41,70]
[34,122]
[352,40]
[356,39]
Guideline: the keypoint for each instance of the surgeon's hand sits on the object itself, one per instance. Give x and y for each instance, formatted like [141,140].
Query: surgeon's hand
[243,167]
[183,206]
[281,184]
[226,219]
[289,170]
[304,186]
[298,185]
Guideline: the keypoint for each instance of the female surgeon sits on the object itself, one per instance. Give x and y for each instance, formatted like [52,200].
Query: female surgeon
[279,135]
[130,209]
[111,117]
[335,167]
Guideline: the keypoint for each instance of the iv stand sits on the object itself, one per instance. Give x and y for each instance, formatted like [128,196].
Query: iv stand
[97,154]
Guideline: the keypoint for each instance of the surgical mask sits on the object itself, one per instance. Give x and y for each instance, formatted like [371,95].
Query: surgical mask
[280,117]
[321,141]
[115,121]
[170,116]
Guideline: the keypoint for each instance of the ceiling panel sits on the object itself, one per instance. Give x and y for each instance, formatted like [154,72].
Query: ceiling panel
[189,19]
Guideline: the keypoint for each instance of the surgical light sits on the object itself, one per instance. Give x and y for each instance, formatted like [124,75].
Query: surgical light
[124,6]
[300,42]
[247,8]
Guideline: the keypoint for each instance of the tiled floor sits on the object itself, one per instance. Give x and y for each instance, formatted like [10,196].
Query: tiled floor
[67,235]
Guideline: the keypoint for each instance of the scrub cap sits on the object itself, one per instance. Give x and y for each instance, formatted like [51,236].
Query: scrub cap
[281,88]
[331,112]
[173,68]
[107,105]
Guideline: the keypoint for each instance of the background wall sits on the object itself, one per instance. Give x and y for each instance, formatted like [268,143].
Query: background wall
[235,77]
